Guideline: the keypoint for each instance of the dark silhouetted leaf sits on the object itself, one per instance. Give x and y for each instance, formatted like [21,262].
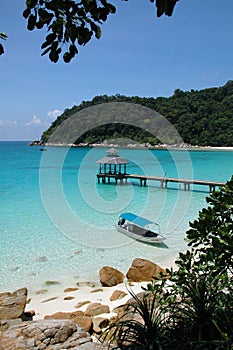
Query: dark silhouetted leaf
[26,13]
[31,22]
[31,3]
[66,57]
[1,49]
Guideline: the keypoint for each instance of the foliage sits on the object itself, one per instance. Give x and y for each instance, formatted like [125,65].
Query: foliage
[3,36]
[70,23]
[211,235]
[142,326]
[202,117]
[193,308]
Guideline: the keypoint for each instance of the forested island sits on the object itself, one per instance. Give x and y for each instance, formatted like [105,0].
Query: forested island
[202,118]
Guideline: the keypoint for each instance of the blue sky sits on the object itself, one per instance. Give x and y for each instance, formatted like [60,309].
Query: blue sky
[138,54]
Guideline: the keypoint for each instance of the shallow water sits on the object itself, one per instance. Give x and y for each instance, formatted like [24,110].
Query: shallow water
[58,224]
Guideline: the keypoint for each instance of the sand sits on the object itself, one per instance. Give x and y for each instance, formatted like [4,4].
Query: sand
[51,302]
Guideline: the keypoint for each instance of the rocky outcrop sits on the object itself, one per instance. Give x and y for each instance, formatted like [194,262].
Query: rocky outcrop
[143,270]
[78,317]
[47,334]
[12,305]
[110,277]
[99,323]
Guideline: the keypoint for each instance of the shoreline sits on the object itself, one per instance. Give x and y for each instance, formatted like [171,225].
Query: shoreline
[59,298]
[136,146]
[53,302]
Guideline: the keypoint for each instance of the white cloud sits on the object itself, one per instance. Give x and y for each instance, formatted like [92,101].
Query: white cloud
[8,123]
[53,114]
[35,121]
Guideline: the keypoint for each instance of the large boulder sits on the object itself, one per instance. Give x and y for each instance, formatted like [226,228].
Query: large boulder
[12,305]
[47,334]
[110,277]
[143,270]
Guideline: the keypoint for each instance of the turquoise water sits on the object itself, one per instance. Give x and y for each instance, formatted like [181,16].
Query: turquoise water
[57,223]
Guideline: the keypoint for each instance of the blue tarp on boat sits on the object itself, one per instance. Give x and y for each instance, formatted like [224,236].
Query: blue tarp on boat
[137,220]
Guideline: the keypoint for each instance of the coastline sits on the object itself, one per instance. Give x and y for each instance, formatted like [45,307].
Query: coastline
[52,302]
[57,298]
[181,147]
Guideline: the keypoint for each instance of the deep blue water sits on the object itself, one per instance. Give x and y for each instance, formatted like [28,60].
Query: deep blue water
[57,223]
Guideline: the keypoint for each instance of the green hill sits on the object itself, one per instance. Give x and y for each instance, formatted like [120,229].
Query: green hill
[201,118]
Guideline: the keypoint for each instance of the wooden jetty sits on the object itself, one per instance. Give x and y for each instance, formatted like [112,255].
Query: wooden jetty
[111,168]
[143,179]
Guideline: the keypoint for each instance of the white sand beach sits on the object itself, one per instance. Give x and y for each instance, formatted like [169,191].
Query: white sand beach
[50,303]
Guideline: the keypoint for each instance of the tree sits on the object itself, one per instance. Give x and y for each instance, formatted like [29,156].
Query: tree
[71,23]
[193,308]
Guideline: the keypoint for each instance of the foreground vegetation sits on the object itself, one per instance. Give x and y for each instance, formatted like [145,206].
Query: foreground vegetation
[193,309]
[202,118]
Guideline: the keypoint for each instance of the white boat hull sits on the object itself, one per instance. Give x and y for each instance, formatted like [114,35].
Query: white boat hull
[139,237]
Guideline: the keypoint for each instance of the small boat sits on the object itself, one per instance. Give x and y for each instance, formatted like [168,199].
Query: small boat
[139,228]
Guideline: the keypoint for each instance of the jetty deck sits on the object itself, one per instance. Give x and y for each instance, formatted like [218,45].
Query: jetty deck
[143,179]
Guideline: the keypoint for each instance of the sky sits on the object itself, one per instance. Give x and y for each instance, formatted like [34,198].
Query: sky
[137,55]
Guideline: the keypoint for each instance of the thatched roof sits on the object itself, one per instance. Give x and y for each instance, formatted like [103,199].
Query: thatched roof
[112,158]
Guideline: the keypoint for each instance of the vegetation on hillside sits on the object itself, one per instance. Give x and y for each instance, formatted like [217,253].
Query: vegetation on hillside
[202,117]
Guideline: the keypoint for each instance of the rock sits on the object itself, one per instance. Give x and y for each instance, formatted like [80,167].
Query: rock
[41,291]
[81,303]
[51,283]
[95,309]
[99,323]
[117,294]
[49,299]
[88,284]
[12,305]
[143,270]
[70,289]
[78,317]
[28,315]
[42,259]
[5,324]
[127,311]
[69,297]
[46,334]
[97,290]
[110,277]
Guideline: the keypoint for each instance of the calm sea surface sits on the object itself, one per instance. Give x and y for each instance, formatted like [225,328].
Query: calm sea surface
[58,224]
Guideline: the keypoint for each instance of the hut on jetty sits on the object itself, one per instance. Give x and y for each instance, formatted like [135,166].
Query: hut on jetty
[112,166]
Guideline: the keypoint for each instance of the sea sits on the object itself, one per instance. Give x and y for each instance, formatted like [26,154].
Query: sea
[57,223]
